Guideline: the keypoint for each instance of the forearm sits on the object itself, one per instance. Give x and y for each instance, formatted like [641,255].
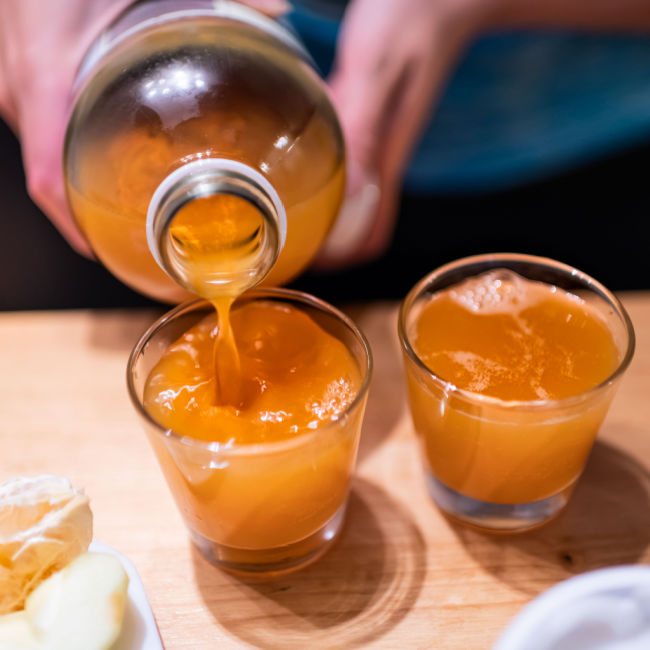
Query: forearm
[596,15]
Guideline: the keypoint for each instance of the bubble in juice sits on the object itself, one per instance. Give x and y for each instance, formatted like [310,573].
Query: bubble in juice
[501,335]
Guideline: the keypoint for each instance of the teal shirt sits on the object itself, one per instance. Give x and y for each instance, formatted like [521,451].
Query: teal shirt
[519,106]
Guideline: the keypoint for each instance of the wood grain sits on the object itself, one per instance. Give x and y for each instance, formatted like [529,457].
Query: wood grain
[401,575]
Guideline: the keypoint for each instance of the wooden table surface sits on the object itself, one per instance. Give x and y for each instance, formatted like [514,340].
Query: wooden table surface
[400,576]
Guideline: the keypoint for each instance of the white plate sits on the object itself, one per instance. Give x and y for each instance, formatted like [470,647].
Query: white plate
[139,630]
[606,608]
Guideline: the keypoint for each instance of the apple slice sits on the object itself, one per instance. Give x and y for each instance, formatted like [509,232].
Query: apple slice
[80,607]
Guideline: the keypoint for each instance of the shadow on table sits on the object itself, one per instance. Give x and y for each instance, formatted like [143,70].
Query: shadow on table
[387,396]
[357,592]
[606,523]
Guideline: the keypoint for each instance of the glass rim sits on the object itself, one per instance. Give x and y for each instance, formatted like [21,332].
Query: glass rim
[547,262]
[254,448]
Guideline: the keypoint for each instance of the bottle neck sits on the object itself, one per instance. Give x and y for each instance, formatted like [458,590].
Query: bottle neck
[216,227]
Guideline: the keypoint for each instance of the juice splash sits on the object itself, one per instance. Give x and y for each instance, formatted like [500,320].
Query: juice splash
[538,354]
[293,378]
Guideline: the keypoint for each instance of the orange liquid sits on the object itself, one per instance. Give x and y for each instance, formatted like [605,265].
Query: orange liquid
[501,336]
[248,100]
[225,358]
[295,381]
[116,227]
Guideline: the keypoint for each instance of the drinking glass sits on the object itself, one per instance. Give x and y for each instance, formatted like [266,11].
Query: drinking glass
[264,508]
[506,465]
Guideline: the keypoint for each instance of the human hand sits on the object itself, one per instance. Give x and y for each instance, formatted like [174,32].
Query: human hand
[392,59]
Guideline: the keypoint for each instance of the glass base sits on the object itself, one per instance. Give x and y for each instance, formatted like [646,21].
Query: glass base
[272,562]
[496,517]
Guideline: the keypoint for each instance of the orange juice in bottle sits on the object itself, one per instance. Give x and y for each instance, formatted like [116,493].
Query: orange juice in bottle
[198,100]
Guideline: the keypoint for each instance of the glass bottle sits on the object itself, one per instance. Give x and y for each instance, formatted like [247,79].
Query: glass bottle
[202,141]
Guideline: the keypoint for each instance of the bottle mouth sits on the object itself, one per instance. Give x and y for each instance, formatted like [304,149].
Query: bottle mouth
[216,227]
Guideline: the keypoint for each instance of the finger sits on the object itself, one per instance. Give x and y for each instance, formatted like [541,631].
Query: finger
[42,128]
[270,8]
[353,222]
[8,111]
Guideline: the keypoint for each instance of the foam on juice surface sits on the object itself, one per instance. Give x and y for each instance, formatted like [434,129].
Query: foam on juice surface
[502,335]
[497,292]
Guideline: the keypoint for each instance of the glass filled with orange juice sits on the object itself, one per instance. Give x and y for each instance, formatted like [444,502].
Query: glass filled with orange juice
[258,445]
[511,364]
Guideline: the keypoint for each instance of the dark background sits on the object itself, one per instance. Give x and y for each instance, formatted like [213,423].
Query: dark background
[596,218]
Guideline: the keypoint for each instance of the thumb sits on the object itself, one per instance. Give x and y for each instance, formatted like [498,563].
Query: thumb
[42,144]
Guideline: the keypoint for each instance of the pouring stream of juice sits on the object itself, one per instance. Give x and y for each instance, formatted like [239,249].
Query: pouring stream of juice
[218,238]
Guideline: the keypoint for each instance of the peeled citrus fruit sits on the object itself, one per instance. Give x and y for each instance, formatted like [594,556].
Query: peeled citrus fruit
[44,524]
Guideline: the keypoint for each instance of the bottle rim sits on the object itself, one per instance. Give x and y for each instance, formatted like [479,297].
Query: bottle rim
[201,179]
